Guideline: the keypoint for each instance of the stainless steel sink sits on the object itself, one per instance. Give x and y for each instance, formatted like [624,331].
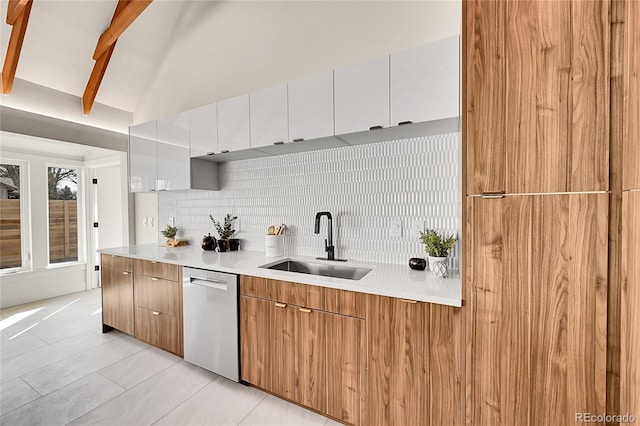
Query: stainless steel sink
[324,269]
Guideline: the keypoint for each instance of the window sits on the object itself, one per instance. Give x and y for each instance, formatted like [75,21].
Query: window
[14,216]
[63,214]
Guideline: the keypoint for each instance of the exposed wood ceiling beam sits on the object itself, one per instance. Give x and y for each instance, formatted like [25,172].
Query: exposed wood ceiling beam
[15,41]
[14,10]
[119,24]
[100,67]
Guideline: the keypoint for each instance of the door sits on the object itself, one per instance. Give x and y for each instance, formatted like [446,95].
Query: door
[233,124]
[174,163]
[538,96]
[537,308]
[143,157]
[268,116]
[282,344]
[311,107]
[311,357]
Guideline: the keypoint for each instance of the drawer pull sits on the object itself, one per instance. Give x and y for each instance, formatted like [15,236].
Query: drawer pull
[155,313]
[376,128]
[409,301]
[154,279]
[125,273]
[298,140]
[281,305]
[305,310]
[154,262]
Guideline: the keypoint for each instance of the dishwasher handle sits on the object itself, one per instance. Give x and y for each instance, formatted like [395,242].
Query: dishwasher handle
[208,282]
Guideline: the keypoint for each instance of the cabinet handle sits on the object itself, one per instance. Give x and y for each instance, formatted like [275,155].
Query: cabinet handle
[496,194]
[376,127]
[125,273]
[224,151]
[154,279]
[305,310]
[281,305]
[153,261]
[278,143]
[156,313]
[211,153]
[404,123]
[413,302]
[298,140]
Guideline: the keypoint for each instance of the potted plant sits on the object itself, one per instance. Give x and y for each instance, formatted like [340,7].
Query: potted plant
[169,232]
[438,248]
[225,232]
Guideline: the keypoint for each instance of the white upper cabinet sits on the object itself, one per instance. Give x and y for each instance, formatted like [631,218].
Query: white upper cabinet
[425,82]
[268,113]
[143,165]
[362,96]
[311,107]
[203,130]
[174,171]
[233,124]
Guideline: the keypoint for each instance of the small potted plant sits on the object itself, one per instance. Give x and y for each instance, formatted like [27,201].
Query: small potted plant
[438,248]
[225,232]
[169,232]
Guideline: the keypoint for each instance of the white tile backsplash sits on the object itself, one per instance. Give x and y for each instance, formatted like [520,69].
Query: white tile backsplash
[365,187]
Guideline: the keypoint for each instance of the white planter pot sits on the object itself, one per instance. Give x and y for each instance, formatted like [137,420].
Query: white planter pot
[438,266]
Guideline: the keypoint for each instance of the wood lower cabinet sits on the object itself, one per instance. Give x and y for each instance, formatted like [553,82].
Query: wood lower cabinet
[117,292]
[312,357]
[414,360]
[143,298]
[158,299]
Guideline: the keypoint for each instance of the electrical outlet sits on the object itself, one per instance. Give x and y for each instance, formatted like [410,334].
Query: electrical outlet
[145,222]
[151,221]
[172,221]
[395,230]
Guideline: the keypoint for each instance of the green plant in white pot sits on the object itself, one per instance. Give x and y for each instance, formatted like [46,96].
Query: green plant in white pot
[438,248]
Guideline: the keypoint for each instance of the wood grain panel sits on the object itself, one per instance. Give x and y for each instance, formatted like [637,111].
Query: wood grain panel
[158,295]
[163,331]
[254,286]
[282,347]
[117,299]
[119,263]
[485,101]
[150,268]
[630,347]
[631,179]
[311,358]
[537,96]
[345,370]
[537,327]
[445,335]
[255,344]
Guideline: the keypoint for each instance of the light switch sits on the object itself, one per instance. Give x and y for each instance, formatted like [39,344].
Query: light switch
[145,221]
[151,221]
[416,229]
[395,230]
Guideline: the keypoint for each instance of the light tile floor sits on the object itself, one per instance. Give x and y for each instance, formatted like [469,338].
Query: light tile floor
[58,368]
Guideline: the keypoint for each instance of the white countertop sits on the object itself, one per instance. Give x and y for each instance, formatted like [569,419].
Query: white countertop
[384,279]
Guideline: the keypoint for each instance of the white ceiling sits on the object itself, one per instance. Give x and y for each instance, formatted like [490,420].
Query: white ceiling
[61,37]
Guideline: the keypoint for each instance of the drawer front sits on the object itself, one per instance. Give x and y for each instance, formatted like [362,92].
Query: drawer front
[326,299]
[118,263]
[158,329]
[154,269]
[158,295]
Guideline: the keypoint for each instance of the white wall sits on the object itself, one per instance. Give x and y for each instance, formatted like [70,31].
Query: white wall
[222,49]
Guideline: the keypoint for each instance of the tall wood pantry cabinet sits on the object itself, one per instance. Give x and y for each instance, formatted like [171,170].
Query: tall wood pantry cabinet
[537,208]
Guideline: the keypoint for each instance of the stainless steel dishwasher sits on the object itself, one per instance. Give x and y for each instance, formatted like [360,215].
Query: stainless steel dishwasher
[210,312]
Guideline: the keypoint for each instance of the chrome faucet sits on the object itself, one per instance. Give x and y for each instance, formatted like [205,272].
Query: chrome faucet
[328,243]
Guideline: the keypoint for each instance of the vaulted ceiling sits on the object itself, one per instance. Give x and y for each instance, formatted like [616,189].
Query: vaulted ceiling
[61,38]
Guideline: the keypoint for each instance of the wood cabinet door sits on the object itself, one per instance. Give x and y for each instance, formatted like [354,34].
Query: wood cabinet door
[536,308]
[311,357]
[282,346]
[537,96]
[117,299]
[255,341]
[344,345]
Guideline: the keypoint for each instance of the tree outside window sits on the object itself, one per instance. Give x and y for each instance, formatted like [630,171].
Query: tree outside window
[63,214]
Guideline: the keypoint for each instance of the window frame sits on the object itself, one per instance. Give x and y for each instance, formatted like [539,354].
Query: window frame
[79,214]
[25,217]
